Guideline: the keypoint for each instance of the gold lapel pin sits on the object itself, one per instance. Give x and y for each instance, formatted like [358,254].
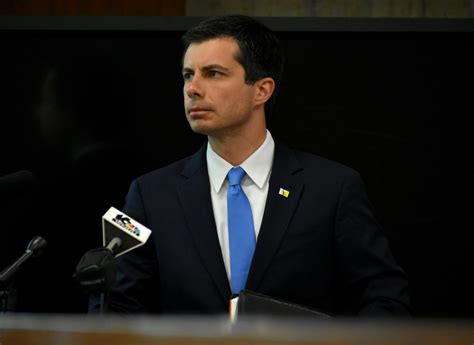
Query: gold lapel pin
[284,192]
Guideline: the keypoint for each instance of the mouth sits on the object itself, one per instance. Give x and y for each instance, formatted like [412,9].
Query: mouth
[197,112]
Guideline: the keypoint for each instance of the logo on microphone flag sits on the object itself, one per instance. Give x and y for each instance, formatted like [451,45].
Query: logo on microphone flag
[126,224]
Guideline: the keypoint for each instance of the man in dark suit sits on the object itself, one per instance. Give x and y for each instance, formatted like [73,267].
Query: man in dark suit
[314,240]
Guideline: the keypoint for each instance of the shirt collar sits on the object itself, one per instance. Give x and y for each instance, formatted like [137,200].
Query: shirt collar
[257,166]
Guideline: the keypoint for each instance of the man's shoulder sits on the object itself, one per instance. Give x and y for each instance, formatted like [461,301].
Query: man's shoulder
[169,173]
[172,169]
[313,163]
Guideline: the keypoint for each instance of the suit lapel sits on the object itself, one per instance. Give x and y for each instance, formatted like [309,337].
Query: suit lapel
[278,212]
[194,195]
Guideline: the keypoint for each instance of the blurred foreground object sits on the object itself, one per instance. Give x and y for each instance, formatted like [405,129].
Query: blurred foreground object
[100,329]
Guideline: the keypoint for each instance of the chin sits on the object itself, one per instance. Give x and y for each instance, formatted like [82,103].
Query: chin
[200,129]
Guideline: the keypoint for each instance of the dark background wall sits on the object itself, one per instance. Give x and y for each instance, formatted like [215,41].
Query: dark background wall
[93,7]
[393,105]
[309,8]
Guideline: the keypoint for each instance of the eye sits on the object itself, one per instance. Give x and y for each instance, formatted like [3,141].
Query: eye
[187,76]
[214,74]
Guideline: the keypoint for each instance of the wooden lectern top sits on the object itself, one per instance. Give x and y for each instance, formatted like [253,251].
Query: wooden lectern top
[46,329]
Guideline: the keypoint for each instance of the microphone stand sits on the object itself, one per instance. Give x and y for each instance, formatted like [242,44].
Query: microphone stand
[8,299]
[4,297]
[115,242]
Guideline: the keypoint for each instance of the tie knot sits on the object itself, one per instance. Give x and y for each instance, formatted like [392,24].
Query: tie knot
[235,175]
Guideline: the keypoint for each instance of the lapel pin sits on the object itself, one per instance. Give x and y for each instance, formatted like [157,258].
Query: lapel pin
[284,192]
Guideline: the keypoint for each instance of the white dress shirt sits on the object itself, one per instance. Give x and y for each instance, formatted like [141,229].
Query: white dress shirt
[258,167]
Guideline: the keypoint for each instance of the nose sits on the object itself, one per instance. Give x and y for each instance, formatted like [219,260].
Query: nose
[193,88]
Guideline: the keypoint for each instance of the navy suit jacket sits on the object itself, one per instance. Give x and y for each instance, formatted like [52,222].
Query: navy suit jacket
[320,246]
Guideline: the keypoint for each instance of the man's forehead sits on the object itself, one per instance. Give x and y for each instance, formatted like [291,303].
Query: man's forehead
[220,40]
[216,51]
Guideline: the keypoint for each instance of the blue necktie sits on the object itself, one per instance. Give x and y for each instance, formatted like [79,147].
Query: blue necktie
[241,231]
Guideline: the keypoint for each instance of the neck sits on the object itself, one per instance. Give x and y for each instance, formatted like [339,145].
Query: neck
[235,148]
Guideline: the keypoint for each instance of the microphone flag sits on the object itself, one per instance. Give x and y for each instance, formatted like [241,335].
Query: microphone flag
[115,223]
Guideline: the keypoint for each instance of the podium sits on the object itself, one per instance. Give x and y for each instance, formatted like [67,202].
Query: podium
[40,329]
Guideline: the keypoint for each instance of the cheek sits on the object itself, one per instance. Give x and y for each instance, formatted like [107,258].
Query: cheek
[238,101]
[232,99]
[186,99]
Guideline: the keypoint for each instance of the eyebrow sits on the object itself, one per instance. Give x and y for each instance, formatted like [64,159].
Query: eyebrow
[214,66]
[208,68]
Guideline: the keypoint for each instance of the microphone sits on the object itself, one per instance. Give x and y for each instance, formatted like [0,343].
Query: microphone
[95,272]
[34,249]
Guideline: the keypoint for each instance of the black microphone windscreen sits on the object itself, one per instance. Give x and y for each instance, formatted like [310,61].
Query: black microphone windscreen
[36,245]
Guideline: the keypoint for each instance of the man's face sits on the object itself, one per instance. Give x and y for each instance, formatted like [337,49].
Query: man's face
[216,98]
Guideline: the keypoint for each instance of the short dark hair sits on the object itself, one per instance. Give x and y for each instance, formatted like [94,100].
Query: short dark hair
[260,52]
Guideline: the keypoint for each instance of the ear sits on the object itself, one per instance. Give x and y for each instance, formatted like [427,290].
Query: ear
[264,90]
